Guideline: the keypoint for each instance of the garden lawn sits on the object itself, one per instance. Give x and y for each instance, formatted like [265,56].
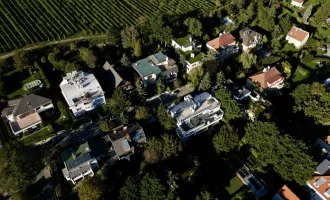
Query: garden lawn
[234,185]
[300,74]
[43,134]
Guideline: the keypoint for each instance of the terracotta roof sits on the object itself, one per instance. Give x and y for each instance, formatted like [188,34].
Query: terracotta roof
[298,34]
[265,78]
[286,193]
[322,188]
[222,41]
[298,1]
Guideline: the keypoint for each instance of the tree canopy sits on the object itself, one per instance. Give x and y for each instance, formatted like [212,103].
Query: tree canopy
[152,188]
[314,101]
[205,83]
[248,60]
[142,112]
[194,26]
[91,188]
[286,155]
[165,120]
[226,140]
[18,167]
[118,103]
[229,105]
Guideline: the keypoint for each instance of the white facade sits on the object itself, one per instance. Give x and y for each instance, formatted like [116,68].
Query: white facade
[295,42]
[188,47]
[82,92]
[191,66]
[195,114]
[296,3]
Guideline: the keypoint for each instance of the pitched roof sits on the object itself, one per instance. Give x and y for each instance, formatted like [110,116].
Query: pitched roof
[265,78]
[298,1]
[222,40]
[77,156]
[113,75]
[297,34]
[286,193]
[249,36]
[25,104]
[323,167]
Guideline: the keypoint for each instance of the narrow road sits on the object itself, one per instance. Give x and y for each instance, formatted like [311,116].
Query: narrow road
[37,46]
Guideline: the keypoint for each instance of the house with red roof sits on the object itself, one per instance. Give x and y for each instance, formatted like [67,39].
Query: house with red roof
[297,37]
[269,78]
[320,183]
[285,193]
[225,45]
[297,3]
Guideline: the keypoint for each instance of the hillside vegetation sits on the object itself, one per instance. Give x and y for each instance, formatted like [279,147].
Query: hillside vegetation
[24,22]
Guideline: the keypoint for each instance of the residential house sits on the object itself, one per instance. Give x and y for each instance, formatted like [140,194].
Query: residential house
[285,194]
[156,66]
[82,92]
[297,37]
[225,45]
[187,49]
[78,163]
[239,93]
[23,113]
[250,38]
[269,78]
[123,138]
[297,3]
[115,79]
[255,184]
[195,114]
[320,184]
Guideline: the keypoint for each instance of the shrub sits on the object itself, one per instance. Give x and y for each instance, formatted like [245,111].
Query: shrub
[270,60]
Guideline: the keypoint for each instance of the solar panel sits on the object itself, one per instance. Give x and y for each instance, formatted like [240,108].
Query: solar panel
[79,161]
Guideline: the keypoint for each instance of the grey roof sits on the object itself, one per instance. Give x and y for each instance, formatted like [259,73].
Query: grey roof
[319,182]
[80,170]
[25,104]
[113,75]
[323,167]
[249,36]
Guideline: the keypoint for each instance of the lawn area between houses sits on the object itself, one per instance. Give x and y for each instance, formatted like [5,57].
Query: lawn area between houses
[43,134]
[300,74]
[234,185]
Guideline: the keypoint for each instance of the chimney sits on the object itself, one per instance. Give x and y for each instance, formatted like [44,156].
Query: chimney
[192,55]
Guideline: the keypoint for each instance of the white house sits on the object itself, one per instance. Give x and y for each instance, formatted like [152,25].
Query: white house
[250,38]
[23,114]
[78,163]
[269,78]
[297,37]
[82,92]
[187,48]
[297,3]
[195,114]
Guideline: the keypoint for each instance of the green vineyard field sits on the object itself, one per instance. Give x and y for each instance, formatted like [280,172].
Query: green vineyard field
[25,22]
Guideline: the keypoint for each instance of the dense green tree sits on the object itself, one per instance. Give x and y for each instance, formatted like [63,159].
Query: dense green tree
[205,83]
[21,60]
[287,156]
[195,75]
[118,103]
[277,32]
[125,61]
[138,48]
[164,119]
[286,66]
[228,104]
[314,101]
[88,56]
[160,86]
[285,23]
[142,112]
[18,167]
[112,36]
[106,125]
[129,36]
[130,190]
[220,78]
[226,140]
[162,148]
[205,195]
[265,18]
[152,188]
[194,26]
[307,13]
[322,14]
[248,60]
[91,188]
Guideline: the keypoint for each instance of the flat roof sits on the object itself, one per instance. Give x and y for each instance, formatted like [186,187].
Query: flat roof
[32,119]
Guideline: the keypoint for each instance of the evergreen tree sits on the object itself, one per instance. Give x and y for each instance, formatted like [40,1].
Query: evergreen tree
[226,140]
[125,61]
[90,188]
[307,13]
[137,48]
[248,60]
[229,105]
[118,103]
[151,188]
[205,83]
[194,26]
[164,119]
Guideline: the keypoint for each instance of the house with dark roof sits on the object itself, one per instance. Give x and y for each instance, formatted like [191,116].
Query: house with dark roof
[225,45]
[156,66]
[114,78]
[269,78]
[123,138]
[188,50]
[195,114]
[78,163]
[249,38]
[23,113]
[320,184]
[284,193]
[297,36]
